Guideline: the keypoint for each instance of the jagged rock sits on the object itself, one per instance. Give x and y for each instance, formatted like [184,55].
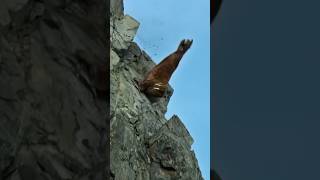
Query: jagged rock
[122,31]
[114,59]
[52,123]
[8,6]
[15,5]
[122,27]
[144,144]
[170,152]
[116,8]
[4,15]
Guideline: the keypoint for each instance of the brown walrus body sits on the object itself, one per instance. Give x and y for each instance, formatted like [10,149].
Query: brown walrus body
[157,79]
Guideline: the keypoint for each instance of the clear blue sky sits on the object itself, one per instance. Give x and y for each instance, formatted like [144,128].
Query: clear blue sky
[164,23]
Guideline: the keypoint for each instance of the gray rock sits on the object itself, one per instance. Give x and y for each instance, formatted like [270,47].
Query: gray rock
[122,31]
[4,15]
[52,123]
[15,5]
[144,144]
[114,59]
[116,8]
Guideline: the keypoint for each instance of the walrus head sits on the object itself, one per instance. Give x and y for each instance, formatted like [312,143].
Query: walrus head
[184,45]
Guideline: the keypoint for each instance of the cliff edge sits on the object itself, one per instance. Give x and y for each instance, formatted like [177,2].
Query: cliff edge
[144,144]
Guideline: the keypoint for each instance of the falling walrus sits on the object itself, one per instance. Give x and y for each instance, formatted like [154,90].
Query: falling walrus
[156,81]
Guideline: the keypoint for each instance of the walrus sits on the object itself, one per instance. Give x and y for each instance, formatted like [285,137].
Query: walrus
[156,81]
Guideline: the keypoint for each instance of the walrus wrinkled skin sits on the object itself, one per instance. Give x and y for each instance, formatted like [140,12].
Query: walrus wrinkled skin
[156,81]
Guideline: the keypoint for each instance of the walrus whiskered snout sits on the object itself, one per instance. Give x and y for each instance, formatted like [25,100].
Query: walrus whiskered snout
[157,90]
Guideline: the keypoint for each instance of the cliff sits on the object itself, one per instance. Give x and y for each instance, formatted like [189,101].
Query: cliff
[144,144]
[53,124]
[53,119]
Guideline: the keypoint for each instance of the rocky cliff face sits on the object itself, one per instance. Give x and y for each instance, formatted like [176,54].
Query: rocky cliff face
[144,144]
[52,121]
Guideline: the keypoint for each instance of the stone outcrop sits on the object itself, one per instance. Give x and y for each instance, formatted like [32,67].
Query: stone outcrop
[144,144]
[52,123]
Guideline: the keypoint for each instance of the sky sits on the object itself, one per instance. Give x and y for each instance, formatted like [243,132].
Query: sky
[266,69]
[163,24]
